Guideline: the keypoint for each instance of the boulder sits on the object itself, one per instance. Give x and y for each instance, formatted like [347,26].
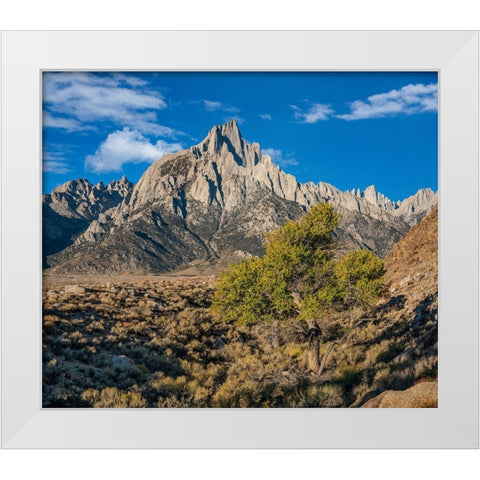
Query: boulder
[122,362]
[75,289]
[422,395]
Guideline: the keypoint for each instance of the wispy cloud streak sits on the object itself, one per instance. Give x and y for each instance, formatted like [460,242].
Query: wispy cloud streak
[317,112]
[76,101]
[214,105]
[278,157]
[408,100]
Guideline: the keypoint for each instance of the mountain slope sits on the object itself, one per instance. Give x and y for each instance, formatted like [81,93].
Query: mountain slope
[216,200]
[408,320]
[70,208]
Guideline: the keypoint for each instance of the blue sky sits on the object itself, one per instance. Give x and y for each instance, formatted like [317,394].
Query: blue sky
[350,129]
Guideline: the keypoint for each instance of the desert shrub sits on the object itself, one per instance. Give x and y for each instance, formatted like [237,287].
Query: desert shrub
[48,327]
[53,362]
[143,368]
[353,354]
[168,365]
[381,379]
[360,391]
[167,386]
[425,368]
[77,340]
[50,320]
[294,350]
[112,397]
[51,373]
[382,352]
[348,376]
[402,379]
[366,333]
[69,307]
[325,395]
[64,400]
[238,394]
[95,326]
[391,349]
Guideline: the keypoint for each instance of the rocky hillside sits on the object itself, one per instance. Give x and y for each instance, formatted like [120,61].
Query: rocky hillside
[412,264]
[216,200]
[70,208]
[410,316]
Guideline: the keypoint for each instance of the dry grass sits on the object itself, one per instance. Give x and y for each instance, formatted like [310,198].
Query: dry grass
[153,343]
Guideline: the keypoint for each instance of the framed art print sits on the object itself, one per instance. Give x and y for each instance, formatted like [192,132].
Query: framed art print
[253,239]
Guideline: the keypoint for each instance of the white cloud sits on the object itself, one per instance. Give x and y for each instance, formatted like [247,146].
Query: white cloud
[279,158]
[126,146]
[409,100]
[52,166]
[318,111]
[265,116]
[68,124]
[213,105]
[272,152]
[82,99]
[54,160]
[130,80]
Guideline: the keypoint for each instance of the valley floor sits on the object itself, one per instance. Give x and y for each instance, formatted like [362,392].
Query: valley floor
[150,341]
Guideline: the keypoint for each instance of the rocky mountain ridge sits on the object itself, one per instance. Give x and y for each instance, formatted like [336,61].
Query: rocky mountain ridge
[214,200]
[80,199]
[224,154]
[70,208]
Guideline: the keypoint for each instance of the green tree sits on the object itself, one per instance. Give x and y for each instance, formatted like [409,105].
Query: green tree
[300,277]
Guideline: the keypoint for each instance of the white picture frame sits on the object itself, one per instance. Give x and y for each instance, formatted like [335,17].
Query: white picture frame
[454,54]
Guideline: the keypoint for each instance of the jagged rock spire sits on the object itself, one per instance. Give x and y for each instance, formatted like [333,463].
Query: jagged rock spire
[225,138]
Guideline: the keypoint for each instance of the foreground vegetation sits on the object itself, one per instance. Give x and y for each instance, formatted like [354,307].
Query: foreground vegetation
[302,277]
[301,327]
[156,344]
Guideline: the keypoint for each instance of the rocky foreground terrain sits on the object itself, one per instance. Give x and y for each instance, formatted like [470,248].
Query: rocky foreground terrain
[412,309]
[209,204]
[112,341]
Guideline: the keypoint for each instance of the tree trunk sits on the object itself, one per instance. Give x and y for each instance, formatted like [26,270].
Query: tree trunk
[324,359]
[275,337]
[314,334]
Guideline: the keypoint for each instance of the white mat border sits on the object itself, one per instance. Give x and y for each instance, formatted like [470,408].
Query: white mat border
[454,424]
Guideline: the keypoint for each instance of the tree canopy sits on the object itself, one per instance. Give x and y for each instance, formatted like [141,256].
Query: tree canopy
[299,277]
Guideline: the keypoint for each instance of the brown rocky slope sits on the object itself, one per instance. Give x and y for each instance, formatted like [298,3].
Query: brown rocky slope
[412,314]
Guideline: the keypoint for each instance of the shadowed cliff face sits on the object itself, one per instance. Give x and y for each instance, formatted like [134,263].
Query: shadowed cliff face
[217,199]
[69,209]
